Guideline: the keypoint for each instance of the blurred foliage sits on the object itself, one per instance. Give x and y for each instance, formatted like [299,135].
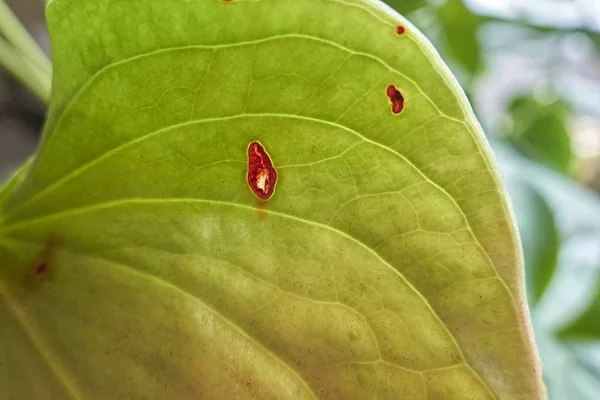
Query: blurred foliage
[534,215]
[587,325]
[459,29]
[539,132]
[406,6]
[558,218]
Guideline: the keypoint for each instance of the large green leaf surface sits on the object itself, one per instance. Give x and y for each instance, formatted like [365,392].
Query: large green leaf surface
[135,262]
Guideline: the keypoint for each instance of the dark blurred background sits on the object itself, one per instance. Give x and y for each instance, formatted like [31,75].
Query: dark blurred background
[21,113]
[532,72]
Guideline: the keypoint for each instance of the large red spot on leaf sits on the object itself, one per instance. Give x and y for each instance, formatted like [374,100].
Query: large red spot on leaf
[396,99]
[262,176]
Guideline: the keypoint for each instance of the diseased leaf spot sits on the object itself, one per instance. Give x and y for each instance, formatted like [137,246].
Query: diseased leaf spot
[396,99]
[41,267]
[400,30]
[262,176]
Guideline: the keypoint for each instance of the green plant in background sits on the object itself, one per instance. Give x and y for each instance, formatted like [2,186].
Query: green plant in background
[135,260]
[540,132]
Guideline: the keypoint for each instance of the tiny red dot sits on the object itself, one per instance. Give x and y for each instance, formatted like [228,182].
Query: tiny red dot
[41,268]
[400,30]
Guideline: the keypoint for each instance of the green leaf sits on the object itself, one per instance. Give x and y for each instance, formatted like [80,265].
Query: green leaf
[540,132]
[136,262]
[586,326]
[539,235]
[406,6]
[459,28]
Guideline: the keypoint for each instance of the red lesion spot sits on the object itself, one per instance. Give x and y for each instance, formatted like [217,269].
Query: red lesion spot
[262,176]
[400,30]
[396,99]
[42,268]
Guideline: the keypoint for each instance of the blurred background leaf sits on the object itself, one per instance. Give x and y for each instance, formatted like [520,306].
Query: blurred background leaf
[539,132]
[539,236]
[587,325]
[405,7]
[459,29]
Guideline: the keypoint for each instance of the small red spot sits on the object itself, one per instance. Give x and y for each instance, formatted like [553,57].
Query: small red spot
[41,267]
[262,176]
[396,99]
[400,30]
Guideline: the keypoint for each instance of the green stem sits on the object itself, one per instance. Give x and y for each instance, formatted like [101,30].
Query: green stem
[15,33]
[21,68]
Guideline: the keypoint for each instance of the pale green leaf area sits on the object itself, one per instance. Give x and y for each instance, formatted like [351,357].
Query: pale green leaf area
[385,266]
